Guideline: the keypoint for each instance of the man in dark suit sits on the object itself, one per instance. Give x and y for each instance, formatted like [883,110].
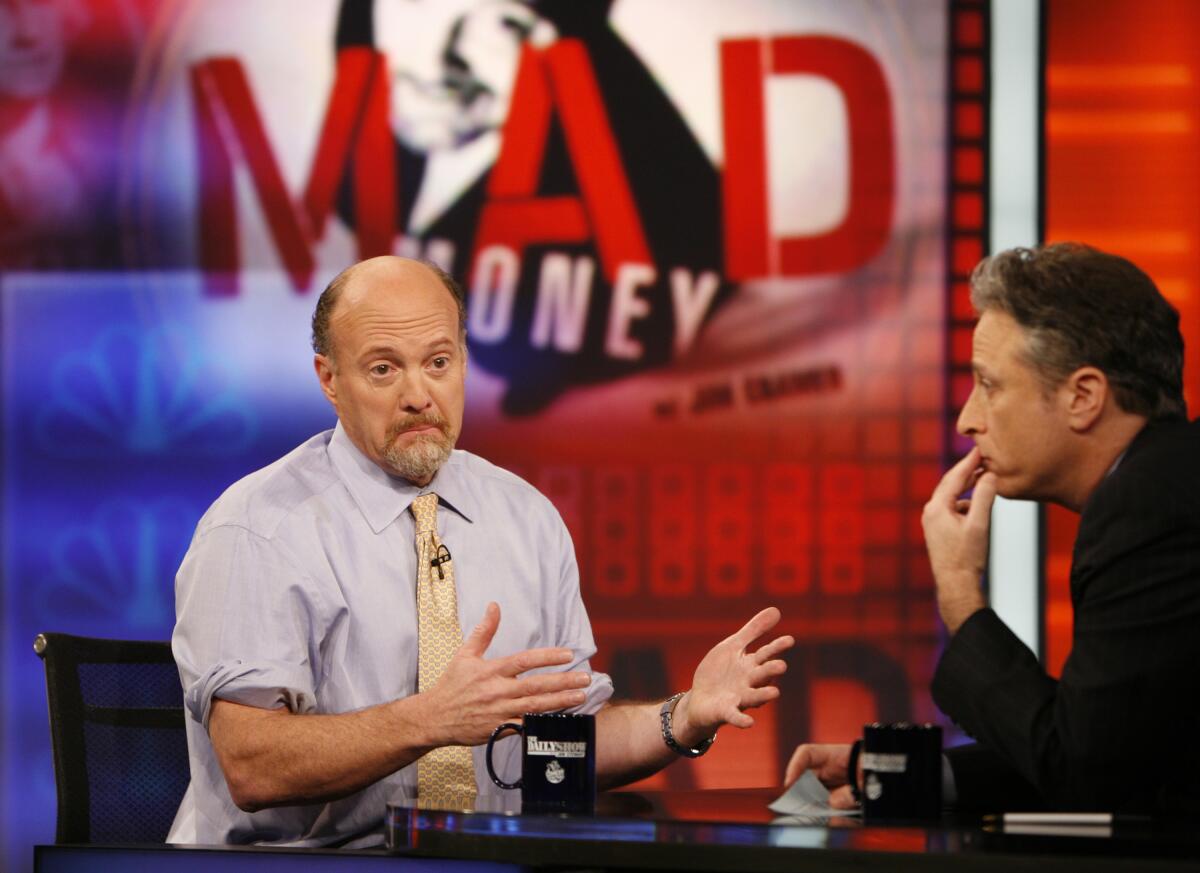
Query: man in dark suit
[1078,400]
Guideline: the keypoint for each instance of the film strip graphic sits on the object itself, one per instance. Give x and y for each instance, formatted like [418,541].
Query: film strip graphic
[969,81]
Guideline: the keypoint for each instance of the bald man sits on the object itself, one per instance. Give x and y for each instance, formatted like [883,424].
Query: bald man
[297,627]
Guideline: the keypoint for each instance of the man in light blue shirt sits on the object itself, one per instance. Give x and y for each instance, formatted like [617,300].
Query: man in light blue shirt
[296,633]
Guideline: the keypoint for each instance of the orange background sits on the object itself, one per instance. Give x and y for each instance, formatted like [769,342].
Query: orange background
[1122,130]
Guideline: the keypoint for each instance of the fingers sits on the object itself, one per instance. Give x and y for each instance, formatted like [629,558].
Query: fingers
[800,761]
[531,659]
[758,696]
[739,719]
[550,702]
[957,478]
[980,511]
[757,626]
[550,683]
[842,798]
[975,474]
[773,648]
[481,636]
[827,761]
[809,756]
[765,673]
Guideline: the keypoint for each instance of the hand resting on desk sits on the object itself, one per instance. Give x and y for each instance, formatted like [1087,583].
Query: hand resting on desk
[829,762]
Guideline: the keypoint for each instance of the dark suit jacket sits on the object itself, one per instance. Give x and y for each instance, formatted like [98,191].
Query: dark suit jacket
[1121,729]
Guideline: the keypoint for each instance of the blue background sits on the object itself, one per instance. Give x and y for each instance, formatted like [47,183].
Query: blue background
[130,402]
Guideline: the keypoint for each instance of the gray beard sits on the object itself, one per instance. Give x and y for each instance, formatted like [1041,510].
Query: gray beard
[421,460]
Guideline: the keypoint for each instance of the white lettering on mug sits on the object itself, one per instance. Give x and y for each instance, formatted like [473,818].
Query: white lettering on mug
[885,763]
[556,748]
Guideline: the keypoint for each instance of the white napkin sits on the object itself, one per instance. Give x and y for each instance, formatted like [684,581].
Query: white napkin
[807,797]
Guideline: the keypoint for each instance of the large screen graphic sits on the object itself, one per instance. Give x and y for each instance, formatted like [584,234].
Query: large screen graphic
[708,250]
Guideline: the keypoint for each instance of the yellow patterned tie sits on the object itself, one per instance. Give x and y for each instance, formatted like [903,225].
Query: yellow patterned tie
[445,776]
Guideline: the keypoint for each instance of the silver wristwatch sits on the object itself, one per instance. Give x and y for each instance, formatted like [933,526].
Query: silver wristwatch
[664,715]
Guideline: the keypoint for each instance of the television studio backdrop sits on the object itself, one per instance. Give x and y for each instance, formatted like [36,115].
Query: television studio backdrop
[716,258]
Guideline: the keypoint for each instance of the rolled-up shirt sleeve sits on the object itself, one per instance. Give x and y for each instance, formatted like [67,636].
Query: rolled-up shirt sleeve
[248,624]
[575,629]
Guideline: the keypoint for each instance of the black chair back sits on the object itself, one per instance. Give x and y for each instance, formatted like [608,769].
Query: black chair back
[117,728]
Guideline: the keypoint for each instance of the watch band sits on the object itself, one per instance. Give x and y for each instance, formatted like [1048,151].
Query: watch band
[664,715]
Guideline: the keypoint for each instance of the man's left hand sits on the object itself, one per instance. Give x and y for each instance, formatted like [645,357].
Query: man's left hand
[731,679]
[956,536]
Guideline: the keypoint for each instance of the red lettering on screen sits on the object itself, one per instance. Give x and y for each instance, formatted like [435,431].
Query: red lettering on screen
[228,126]
[750,250]
[357,117]
[561,78]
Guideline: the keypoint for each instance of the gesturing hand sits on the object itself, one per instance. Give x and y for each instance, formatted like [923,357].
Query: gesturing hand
[956,537]
[731,679]
[474,695]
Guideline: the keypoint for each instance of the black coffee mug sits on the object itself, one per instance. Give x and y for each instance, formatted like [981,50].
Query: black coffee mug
[558,762]
[901,769]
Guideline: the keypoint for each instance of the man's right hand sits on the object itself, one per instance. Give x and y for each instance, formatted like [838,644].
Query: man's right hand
[829,763]
[474,695]
[957,536]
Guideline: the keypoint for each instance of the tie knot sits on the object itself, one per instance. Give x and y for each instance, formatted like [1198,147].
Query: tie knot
[424,510]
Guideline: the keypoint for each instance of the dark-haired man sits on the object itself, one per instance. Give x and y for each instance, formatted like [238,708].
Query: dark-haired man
[1078,400]
[322,604]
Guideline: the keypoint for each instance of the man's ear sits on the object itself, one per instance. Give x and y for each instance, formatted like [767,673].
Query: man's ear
[1084,394]
[325,375]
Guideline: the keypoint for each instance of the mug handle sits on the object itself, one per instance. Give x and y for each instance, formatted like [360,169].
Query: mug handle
[488,756]
[852,770]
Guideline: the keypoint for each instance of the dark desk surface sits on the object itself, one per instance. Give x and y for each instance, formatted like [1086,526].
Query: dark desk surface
[734,830]
[693,831]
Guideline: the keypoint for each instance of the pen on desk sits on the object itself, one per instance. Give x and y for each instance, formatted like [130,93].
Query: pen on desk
[1099,819]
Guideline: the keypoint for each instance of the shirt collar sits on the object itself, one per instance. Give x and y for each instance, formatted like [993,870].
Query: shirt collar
[381,497]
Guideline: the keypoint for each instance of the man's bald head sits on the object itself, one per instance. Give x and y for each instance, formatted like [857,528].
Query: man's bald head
[392,362]
[387,265]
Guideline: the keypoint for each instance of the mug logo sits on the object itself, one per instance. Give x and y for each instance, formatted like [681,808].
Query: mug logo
[874,787]
[556,748]
[554,772]
[885,762]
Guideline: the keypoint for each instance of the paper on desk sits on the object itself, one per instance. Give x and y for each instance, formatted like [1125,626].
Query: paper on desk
[807,797]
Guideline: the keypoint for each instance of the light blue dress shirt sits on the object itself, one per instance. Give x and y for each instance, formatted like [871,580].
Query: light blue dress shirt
[299,590]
